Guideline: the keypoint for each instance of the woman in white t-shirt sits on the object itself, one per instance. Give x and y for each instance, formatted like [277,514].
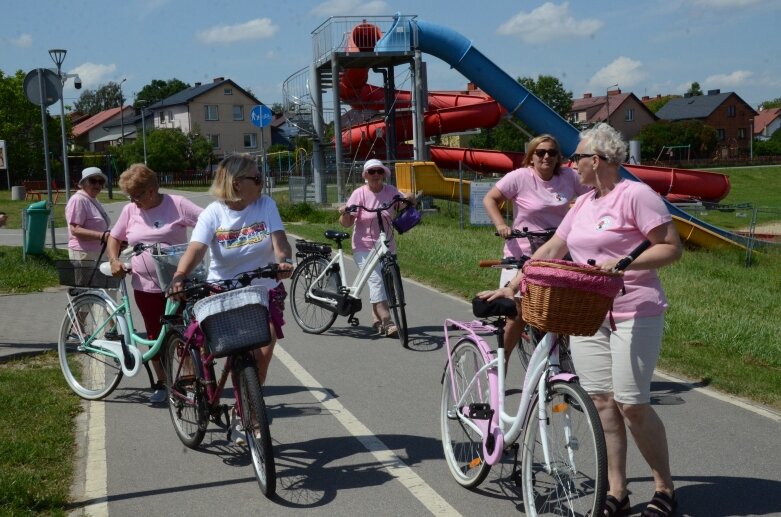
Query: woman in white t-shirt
[615,366]
[540,192]
[242,231]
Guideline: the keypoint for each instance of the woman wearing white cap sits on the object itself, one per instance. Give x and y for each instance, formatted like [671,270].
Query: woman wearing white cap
[366,232]
[88,222]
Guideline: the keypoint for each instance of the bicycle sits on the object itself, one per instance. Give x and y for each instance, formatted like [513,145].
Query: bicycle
[320,291]
[98,343]
[227,319]
[564,460]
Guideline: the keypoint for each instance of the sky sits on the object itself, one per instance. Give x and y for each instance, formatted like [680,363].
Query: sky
[648,48]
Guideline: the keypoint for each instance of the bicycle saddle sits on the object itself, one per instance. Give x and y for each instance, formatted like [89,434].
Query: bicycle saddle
[499,307]
[336,235]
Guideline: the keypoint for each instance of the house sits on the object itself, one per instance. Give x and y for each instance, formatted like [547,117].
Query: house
[726,112]
[102,130]
[623,111]
[282,131]
[767,122]
[219,110]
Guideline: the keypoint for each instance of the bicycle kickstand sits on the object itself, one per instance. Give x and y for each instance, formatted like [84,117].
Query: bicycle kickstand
[516,473]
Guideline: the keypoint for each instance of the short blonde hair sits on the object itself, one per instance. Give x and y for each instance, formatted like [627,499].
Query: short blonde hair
[138,177]
[229,170]
[534,143]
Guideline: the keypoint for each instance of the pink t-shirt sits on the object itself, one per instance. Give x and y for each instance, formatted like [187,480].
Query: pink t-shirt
[367,229]
[83,211]
[537,204]
[611,227]
[166,223]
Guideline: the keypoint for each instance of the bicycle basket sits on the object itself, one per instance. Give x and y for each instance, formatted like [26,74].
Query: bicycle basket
[84,273]
[407,219]
[235,321]
[566,297]
[166,259]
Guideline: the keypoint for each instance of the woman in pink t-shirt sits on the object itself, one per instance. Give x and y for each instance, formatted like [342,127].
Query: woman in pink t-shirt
[541,192]
[616,365]
[150,218]
[366,233]
[88,221]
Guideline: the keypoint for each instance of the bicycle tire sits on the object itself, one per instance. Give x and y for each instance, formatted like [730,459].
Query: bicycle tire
[255,422]
[186,396]
[577,481]
[395,291]
[463,446]
[91,375]
[312,318]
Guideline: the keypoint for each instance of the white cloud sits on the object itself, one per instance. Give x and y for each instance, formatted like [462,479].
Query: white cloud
[734,80]
[624,71]
[23,40]
[548,22]
[258,28]
[726,4]
[350,8]
[93,75]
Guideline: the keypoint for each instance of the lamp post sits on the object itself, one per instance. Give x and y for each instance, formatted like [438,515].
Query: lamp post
[607,100]
[122,111]
[143,125]
[58,56]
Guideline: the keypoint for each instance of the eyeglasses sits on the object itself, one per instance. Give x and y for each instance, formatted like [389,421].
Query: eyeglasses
[96,181]
[257,178]
[375,171]
[540,153]
[134,198]
[575,158]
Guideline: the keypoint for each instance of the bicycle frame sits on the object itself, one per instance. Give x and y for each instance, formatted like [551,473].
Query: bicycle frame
[503,427]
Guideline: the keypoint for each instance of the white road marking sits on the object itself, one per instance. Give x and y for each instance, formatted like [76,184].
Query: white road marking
[95,478]
[394,465]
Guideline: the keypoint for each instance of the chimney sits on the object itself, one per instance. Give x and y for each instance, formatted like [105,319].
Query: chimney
[658,95]
[617,91]
[471,87]
[714,92]
[196,85]
[645,98]
[586,95]
[219,79]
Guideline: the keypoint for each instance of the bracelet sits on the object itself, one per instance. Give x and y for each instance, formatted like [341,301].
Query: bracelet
[287,260]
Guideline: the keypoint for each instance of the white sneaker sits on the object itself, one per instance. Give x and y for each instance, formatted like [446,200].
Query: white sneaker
[237,430]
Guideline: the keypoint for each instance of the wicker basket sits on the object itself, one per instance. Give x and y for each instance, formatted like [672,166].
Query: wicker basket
[166,260]
[84,273]
[566,297]
[235,321]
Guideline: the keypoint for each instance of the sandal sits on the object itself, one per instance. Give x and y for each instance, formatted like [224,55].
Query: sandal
[615,508]
[391,329]
[377,326]
[661,505]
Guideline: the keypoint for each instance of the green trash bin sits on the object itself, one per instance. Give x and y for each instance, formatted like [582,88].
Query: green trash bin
[36,219]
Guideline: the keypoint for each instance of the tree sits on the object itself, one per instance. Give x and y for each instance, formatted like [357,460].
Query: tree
[168,150]
[106,97]
[775,103]
[158,90]
[694,90]
[656,104]
[701,137]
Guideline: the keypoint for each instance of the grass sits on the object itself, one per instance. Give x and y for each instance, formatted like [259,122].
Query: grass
[14,208]
[19,276]
[36,437]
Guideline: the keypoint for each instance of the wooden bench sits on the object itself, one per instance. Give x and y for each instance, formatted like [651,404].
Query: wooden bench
[35,189]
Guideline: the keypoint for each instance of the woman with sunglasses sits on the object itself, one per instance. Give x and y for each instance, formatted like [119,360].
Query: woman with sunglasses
[366,232]
[541,192]
[151,217]
[242,231]
[88,221]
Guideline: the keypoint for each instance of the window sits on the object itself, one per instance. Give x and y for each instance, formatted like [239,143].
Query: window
[250,140]
[731,111]
[629,116]
[238,112]
[170,116]
[211,112]
[741,133]
[721,134]
[214,140]
[162,117]
[227,91]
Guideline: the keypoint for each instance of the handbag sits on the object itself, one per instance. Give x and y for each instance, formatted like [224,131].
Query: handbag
[407,219]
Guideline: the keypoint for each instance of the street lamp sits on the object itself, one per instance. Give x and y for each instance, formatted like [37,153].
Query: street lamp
[143,124]
[122,111]
[607,100]
[58,56]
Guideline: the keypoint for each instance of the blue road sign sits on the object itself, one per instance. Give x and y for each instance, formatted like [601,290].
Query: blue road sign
[260,115]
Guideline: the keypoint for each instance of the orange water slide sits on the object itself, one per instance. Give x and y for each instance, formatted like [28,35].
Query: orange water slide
[680,184]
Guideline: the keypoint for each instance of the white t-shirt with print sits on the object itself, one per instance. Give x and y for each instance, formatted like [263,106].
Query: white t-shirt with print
[239,240]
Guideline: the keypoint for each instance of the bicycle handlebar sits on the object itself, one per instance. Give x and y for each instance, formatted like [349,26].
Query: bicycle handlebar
[195,290]
[525,233]
[624,262]
[385,206]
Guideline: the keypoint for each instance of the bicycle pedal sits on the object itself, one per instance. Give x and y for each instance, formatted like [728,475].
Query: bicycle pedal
[480,411]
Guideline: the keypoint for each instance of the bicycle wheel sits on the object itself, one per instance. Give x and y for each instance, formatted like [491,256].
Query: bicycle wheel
[90,373]
[575,480]
[463,446]
[255,422]
[186,396]
[395,290]
[311,318]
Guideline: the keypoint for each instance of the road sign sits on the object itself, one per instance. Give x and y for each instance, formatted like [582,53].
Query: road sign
[260,115]
[52,87]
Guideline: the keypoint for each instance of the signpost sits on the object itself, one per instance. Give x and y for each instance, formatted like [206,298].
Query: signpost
[261,116]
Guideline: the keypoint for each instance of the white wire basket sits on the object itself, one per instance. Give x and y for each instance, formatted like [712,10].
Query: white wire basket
[166,260]
[235,321]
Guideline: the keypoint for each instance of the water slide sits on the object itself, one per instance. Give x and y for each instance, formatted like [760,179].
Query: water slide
[457,51]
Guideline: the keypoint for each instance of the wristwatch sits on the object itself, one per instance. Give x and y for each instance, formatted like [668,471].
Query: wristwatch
[287,260]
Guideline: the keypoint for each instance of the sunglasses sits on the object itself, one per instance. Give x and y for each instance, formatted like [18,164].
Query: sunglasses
[375,171]
[257,178]
[96,181]
[540,153]
[575,158]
